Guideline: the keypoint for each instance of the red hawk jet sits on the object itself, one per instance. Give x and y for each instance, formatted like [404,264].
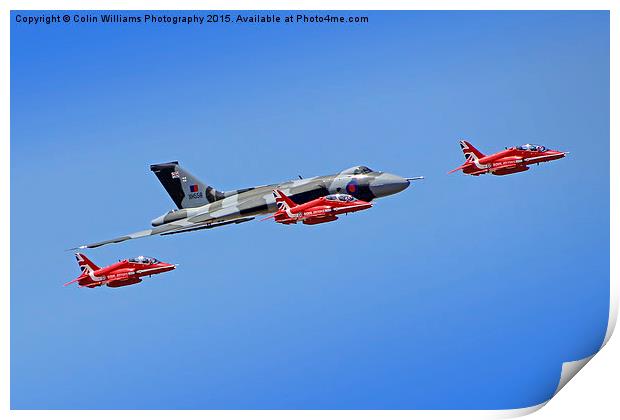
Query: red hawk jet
[122,273]
[509,161]
[321,210]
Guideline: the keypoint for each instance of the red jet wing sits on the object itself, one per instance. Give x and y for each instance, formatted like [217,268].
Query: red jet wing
[72,281]
[463,166]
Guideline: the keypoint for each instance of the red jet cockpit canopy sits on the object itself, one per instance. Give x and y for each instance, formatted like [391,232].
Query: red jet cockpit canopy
[339,197]
[532,148]
[143,260]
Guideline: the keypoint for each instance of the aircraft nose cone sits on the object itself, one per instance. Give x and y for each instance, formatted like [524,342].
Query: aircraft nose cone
[166,266]
[388,184]
[162,264]
[555,154]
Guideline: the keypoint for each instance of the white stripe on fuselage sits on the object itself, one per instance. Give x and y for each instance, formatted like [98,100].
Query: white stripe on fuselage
[91,274]
[478,164]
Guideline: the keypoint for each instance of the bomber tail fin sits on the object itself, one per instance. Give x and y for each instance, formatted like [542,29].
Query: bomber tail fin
[470,152]
[282,201]
[86,265]
[184,188]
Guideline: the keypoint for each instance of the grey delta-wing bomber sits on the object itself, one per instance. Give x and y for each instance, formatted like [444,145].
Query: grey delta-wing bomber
[200,206]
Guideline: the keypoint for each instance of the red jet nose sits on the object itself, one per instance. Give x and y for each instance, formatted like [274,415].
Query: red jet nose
[554,154]
[165,266]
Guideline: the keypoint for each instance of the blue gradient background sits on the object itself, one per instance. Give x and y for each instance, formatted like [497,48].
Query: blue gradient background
[457,293]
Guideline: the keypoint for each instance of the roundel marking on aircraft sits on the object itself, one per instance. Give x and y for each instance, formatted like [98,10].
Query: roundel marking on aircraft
[352,187]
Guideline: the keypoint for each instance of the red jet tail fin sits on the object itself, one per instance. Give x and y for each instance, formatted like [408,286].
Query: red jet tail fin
[282,201]
[85,264]
[470,152]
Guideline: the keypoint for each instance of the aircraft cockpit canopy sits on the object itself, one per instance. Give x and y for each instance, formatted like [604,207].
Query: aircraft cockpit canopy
[340,197]
[358,170]
[143,260]
[532,148]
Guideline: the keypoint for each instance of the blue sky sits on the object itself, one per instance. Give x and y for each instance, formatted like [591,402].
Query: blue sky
[458,293]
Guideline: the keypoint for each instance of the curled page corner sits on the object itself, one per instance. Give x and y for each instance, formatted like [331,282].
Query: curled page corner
[570,369]
[613,313]
[519,412]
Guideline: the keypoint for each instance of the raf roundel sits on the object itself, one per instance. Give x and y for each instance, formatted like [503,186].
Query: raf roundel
[351,187]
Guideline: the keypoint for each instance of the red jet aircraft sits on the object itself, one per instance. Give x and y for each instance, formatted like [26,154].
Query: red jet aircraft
[508,161]
[122,273]
[321,210]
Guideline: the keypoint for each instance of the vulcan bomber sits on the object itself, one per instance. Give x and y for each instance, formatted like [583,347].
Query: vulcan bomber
[201,206]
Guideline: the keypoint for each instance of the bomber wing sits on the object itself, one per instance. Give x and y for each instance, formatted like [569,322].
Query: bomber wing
[179,226]
[233,213]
